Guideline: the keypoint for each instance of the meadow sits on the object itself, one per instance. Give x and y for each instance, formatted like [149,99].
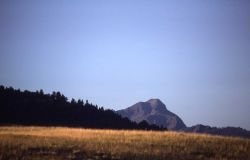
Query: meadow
[55,143]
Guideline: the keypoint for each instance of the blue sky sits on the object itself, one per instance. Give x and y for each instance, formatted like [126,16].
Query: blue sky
[193,55]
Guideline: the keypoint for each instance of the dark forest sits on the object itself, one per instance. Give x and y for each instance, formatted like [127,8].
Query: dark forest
[37,108]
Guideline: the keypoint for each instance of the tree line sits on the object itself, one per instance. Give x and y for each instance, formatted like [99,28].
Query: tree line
[37,108]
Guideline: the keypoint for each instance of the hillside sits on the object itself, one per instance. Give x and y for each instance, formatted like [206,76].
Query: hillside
[37,108]
[56,143]
[154,112]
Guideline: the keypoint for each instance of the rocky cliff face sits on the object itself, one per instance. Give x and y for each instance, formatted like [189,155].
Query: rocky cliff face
[154,112]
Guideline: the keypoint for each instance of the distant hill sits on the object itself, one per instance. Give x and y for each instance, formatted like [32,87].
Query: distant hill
[225,131]
[37,108]
[154,112]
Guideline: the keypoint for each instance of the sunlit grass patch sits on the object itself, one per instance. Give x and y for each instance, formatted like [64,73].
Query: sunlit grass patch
[75,143]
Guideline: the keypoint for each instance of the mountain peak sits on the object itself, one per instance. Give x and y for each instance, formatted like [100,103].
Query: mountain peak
[157,105]
[155,102]
[154,112]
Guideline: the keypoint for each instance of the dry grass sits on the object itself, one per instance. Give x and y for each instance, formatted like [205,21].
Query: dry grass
[72,143]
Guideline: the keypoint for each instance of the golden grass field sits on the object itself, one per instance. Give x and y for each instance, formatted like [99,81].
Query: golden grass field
[54,143]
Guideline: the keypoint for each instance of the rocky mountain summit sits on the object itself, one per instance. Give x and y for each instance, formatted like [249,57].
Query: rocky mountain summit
[154,112]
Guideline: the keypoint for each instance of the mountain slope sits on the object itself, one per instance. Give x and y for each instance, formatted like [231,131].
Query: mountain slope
[154,112]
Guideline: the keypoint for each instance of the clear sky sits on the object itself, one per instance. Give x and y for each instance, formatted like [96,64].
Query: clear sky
[193,55]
